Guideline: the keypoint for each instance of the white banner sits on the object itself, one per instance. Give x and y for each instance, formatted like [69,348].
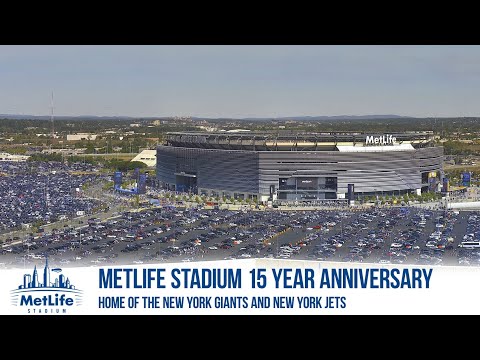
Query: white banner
[237,287]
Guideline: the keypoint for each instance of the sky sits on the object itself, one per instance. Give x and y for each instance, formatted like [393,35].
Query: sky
[240,80]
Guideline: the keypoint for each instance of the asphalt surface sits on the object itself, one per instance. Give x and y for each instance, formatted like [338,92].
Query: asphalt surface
[184,235]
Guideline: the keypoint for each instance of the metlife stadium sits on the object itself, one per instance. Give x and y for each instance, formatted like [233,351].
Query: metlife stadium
[294,167]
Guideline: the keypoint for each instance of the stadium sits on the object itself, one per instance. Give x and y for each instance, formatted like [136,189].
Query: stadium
[286,166]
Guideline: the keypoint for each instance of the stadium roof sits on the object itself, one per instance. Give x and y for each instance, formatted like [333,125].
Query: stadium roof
[287,140]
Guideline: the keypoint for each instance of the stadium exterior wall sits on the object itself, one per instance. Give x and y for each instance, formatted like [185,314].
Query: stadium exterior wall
[225,172]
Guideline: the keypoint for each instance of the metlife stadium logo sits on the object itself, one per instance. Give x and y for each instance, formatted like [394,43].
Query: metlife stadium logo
[48,293]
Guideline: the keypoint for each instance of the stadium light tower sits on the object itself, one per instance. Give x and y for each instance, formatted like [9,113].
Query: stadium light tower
[51,117]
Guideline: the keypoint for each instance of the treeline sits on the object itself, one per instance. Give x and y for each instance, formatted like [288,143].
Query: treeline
[35,126]
[45,157]
[438,125]
[452,147]
[455,175]
[111,164]
[442,126]
[423,197]
[124,165]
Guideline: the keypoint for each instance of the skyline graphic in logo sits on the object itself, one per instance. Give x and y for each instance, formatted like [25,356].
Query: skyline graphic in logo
[32,281]
[51,293]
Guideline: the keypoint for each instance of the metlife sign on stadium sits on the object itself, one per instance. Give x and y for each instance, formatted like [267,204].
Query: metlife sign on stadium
[260,286]
[380,140]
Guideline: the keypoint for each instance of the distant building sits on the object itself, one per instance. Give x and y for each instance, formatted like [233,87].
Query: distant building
[79,137]
[64,151]
[11,157]
[134,125]
[207,128]
[148,157]
[55,136]
[237,130]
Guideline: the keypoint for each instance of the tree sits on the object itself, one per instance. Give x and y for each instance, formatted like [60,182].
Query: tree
[90,148]
[36,225]
[45,157]
[132,165]
[108,185]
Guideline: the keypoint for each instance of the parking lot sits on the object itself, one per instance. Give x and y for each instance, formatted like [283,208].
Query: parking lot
[172,234]
[57,193]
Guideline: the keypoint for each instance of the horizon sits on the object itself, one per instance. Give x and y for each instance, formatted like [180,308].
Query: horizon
[280,117]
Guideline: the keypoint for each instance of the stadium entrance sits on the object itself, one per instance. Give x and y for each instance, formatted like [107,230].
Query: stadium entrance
[186,182]
[304,187]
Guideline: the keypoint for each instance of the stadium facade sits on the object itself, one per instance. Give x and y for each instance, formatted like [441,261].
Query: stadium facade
[299,166]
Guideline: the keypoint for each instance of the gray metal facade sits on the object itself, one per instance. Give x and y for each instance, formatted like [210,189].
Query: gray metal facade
[254,171]
[229,170]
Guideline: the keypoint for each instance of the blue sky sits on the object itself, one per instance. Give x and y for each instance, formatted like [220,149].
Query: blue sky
[240,81]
